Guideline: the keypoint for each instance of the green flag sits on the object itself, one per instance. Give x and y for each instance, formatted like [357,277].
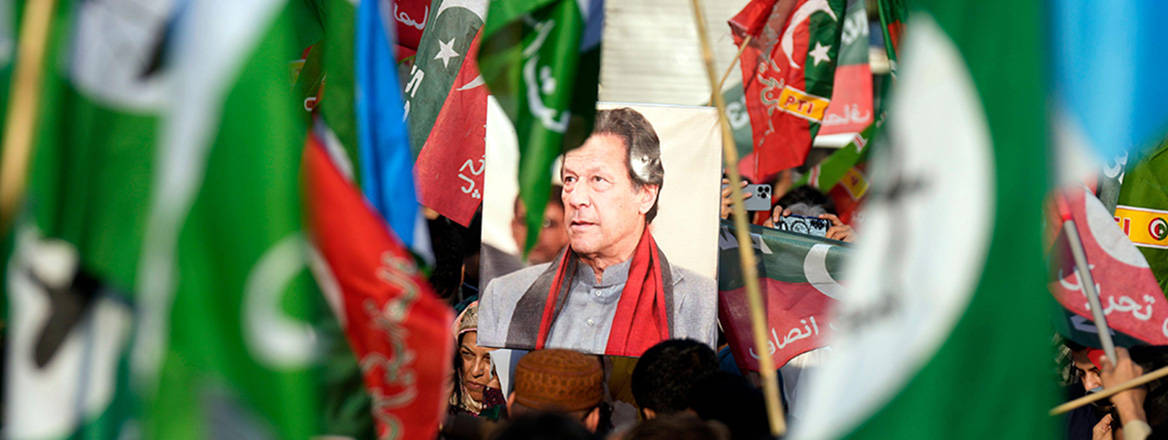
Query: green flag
[1142,209]
[541,60]
[79,239]
[441,52]
[227,344]
[943,330]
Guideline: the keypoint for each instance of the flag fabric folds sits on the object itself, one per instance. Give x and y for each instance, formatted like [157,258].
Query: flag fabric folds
[943,333]
[383,142]
[850,110]
[541,60]
[843,175]
[800,276]
[397,327]
[788,70]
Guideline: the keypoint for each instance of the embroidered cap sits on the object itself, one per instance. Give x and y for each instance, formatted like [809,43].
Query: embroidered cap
[559,380]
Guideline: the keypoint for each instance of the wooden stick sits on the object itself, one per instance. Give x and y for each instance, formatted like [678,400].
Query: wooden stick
[22,107]
[766,365]
[1162,372]
[729,69]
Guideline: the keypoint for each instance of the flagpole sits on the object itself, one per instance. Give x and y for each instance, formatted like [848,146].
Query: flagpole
[730,68]
[22,107]
[1085,278]
[766,365]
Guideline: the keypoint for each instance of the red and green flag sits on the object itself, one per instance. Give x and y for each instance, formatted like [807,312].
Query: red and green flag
[541,61]
[798,276]
[850,110]
[788,70]
[892,15]
[1142,209]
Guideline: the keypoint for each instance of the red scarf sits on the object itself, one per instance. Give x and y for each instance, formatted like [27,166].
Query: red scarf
[641,317]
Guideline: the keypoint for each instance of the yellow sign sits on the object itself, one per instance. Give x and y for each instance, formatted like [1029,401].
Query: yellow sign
[1144,227]
[854,182]
[800,104]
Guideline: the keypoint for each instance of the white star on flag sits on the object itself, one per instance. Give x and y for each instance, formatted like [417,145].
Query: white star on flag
[820,53]
[446,52]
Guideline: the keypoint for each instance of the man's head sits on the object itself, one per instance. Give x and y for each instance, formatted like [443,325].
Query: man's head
[561,381]
[552,236]
[611,184]
[666,372]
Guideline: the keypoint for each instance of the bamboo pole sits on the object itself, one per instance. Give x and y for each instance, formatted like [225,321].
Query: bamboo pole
[766,365]
[1110,391]
[730,68]
[22,107]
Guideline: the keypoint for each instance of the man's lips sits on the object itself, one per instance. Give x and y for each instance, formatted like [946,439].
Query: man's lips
[581,224]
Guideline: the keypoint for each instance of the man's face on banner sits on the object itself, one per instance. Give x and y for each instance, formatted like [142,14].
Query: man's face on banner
[601,205]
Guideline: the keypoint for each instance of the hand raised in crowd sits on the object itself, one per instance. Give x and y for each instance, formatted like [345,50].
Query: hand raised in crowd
[839,230]
[1102,430]
[728,200]
[776,213]
[1128,403]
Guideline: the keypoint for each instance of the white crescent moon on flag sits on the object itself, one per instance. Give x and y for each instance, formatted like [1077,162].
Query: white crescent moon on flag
[478,8]
[803,13]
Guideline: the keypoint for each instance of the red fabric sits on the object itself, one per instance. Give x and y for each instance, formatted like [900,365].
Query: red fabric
[797,321]
[774,85]
[450,167]
[397,327]
[850,110]
[1095,355]
[409,17]
[641,320]
[1129,293]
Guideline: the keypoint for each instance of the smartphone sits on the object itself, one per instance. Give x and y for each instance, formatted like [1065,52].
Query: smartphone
[804,225]
[760,199]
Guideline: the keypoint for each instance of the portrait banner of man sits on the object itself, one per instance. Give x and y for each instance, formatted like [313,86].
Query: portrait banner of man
[627,254]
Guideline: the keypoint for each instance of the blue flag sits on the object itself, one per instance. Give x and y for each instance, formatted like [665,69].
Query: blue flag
[1108,66]
[382,139]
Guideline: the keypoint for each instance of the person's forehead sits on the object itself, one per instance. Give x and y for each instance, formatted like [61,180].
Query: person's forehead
[600,151]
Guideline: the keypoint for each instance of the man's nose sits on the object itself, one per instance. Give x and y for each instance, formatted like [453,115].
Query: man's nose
[578,196]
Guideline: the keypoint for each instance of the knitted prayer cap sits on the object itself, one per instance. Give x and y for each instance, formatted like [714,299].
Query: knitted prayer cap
[558,380]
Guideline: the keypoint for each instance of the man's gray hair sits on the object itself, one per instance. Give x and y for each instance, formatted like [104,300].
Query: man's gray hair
[643,148]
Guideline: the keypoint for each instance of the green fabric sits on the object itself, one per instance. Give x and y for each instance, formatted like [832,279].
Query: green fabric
[892,13]
[991,378]
[563,82]
[432,76]
[338,107]
[836,166]
[237,276]
[1145,185]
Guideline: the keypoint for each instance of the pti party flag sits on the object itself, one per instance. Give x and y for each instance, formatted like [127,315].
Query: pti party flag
[850,110]
[442,54]
[398,328]
[410,18]
[942,333]
[228,344]
[787,72]
[1117,46]
[70,279]
[842,176]
[1131,298]
[450,167]
[1142,210]
[541,61]
[382,140]
[892,14]
[798,275]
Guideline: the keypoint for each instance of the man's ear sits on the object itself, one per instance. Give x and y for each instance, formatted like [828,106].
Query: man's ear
[647,196]
[592,420]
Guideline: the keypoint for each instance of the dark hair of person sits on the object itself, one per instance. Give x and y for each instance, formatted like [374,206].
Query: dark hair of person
[732,401]
[680,426]
[665,373]
[543,426]
[807,195]
[642,148]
